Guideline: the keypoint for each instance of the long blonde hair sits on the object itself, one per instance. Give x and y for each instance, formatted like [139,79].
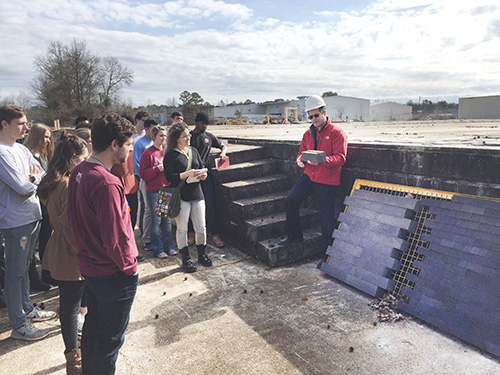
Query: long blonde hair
[35,140]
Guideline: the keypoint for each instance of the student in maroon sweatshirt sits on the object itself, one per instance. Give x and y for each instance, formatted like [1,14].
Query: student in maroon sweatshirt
[98,215]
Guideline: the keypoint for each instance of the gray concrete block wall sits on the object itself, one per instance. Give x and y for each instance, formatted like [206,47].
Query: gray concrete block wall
[459,170]
[454,289]
[363,251]
[457,288]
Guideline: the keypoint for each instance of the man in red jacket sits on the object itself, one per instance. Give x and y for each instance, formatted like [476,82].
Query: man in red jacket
[320,178]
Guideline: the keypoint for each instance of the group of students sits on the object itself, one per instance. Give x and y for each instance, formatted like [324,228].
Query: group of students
[90,249]
[160,158]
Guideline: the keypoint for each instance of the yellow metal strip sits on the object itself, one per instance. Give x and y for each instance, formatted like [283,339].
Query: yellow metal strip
[413,190]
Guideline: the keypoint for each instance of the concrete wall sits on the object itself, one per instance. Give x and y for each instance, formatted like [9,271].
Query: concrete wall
[482,107]
[389,111]
[459,170]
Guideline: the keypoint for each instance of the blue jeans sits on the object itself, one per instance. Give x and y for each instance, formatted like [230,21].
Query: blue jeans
[109,300]
[19,245]
[209,192]
[326,196]
[161,227]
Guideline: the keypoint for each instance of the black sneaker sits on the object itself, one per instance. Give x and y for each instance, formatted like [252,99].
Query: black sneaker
[140,258]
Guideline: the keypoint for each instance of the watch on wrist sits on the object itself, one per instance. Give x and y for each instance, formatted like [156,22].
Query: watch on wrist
[32,178]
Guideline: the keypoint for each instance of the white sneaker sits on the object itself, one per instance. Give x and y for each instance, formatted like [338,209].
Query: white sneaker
[29,332]
[172,252]
[162,255]
[79,323]
[39,315]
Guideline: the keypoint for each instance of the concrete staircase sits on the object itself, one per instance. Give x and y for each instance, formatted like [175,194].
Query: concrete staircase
[250,197]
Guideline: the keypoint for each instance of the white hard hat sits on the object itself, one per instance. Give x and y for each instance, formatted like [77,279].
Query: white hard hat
[314,102]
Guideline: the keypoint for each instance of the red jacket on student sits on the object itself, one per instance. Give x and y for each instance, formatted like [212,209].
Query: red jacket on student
[333,141]
[155,179]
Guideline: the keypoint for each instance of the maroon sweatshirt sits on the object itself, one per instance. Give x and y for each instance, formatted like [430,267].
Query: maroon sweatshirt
[99,217]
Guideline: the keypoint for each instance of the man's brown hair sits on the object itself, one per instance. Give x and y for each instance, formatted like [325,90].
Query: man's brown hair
[9,112]
[108,128]
[139,115]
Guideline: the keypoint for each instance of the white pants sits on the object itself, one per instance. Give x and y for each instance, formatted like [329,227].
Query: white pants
[196,211]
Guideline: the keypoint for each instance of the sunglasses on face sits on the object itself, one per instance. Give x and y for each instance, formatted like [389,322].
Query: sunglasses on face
[316,115]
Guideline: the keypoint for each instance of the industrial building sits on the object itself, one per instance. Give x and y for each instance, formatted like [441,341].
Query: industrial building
[345,108]
[479,107]
[389,111]
[338,108]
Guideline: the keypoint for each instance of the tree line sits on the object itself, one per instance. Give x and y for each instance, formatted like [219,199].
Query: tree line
[427,106]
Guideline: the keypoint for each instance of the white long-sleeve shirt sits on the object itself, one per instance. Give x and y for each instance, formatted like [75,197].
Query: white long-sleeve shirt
[19,204]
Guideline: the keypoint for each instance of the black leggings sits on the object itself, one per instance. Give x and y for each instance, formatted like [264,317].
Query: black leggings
[70,299]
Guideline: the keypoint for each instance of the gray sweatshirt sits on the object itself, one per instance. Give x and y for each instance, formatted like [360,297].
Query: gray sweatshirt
[19,204]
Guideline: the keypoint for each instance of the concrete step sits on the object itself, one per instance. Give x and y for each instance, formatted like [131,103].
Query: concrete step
[272,253]
[253,187]
[272,225]
[240,153]
[261,205]
[246,170]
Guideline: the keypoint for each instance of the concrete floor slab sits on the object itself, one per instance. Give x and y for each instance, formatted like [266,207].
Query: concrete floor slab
[241,317]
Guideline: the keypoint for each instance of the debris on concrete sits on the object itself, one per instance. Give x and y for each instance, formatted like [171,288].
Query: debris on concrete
[387,308]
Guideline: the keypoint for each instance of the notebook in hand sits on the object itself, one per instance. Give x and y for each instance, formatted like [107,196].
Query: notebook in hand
[219,164]
[191,180]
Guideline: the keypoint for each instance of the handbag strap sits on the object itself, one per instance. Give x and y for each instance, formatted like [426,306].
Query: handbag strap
[190,159]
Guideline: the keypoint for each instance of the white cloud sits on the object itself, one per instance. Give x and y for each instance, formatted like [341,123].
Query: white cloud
[390,49]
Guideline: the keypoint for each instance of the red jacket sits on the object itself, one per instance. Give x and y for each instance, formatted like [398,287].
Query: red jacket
[333,140]
[149,171]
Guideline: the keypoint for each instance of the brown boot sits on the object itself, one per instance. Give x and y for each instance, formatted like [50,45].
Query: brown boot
[218,241]
[190,238]
[74,362]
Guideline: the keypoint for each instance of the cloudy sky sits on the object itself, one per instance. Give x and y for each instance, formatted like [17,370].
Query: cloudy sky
[262,49]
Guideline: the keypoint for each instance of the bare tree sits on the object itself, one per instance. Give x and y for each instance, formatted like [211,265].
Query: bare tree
[85,76]
[72,81]
[51,85]
[171,102]
[340,111]
[22,99]
[114,77]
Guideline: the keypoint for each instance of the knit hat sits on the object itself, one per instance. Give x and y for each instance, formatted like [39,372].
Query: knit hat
[201,117]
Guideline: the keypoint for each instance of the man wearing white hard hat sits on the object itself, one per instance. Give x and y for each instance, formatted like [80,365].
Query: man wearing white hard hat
[321,178]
